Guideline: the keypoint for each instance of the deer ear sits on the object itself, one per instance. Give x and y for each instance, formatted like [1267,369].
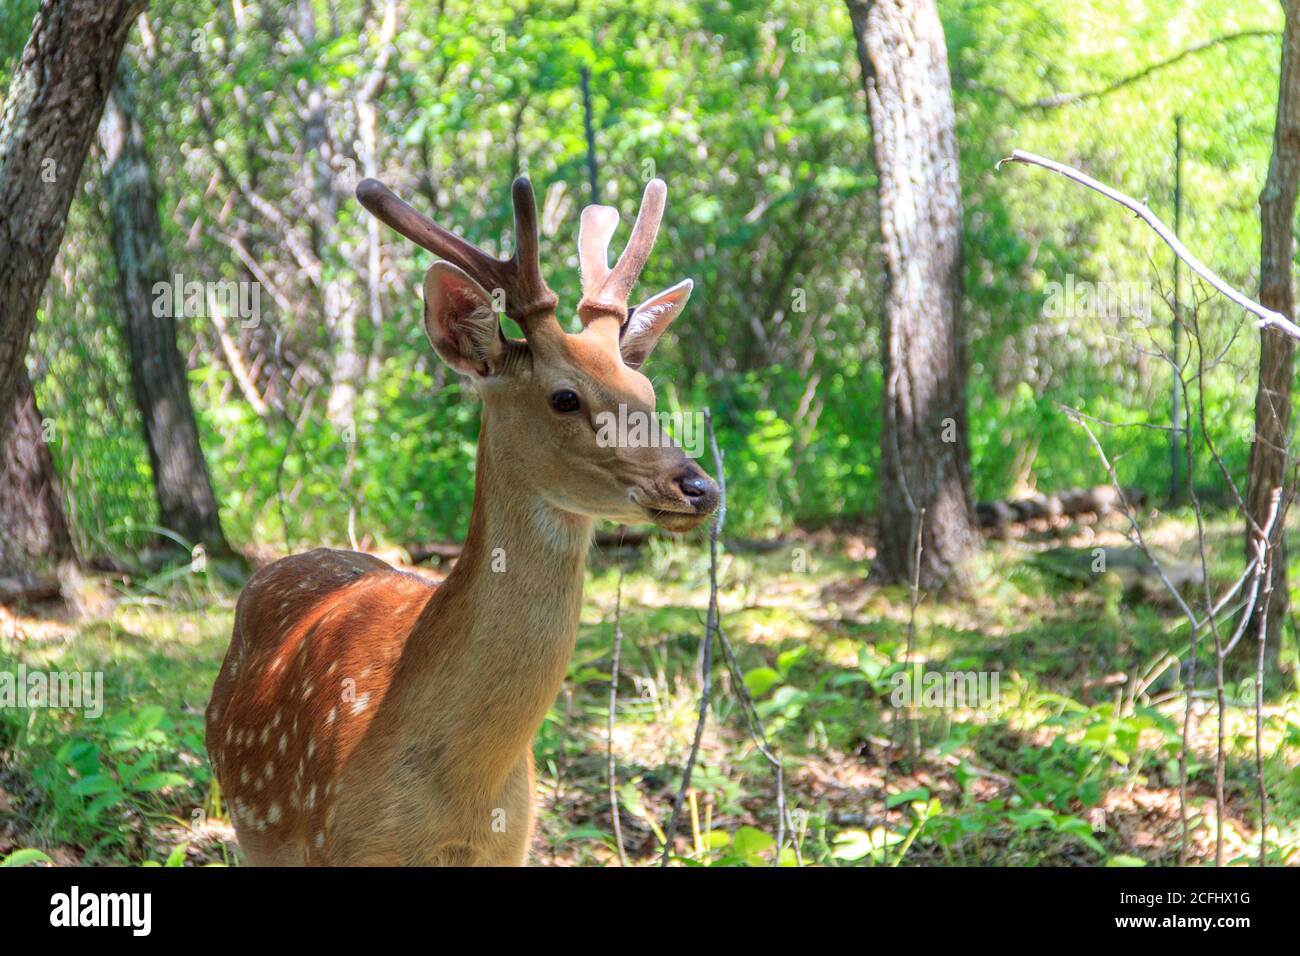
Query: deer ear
[461,321]
[648,321]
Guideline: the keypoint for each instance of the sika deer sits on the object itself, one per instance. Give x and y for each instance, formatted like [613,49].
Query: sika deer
[363,715]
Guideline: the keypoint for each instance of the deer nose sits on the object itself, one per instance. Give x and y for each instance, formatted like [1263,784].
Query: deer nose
[698,489]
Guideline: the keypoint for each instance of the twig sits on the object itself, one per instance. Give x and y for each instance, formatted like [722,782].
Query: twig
[1128,513]
[759,737]
[706,657]
[613,704]
[1057,100]
[1267,317]
[1263,547]
[913,740]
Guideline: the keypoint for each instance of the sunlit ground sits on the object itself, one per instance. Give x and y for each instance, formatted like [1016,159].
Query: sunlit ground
[1074,760]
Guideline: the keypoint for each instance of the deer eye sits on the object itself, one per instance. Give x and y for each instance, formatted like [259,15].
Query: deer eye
[565,400]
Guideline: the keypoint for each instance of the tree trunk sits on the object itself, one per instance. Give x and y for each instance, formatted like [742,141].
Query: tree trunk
[340,305]
[186,503]
[924,474]
[55,97]
[34,533]
[1270,454]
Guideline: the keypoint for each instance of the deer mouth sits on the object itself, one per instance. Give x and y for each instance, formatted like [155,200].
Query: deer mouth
[676,521]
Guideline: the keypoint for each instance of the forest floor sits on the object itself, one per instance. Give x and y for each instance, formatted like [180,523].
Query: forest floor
[1070,758]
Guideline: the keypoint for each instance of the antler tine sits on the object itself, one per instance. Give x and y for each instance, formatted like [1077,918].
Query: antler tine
[605,290]
[385,206]
[594,233]
[527,257]
[519,277]
[632,261]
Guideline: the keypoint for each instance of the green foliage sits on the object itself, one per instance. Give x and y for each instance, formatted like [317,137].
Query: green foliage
[755,114]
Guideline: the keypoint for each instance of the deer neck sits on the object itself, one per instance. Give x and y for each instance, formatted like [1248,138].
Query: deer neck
[489,653]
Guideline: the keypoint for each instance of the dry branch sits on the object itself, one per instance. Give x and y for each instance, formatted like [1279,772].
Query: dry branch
[706,655]
[1267,318]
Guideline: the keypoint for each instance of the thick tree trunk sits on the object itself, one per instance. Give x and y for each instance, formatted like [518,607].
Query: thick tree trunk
[186,503]
[34,535]
[924,475]
[55,98]
[1270,455]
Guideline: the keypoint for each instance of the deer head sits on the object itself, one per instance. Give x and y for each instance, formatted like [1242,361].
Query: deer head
[548,397]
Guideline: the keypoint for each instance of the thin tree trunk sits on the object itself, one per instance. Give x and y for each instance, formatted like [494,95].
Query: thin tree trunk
[924,472]
[1270,455]
[34,534]
[186,503]
[340,305]
[367,149]
[54,102]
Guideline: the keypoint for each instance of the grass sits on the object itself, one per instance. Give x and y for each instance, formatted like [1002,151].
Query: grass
[1067,764]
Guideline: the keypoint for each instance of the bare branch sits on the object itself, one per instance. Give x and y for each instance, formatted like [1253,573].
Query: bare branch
[609,729]
[706,656]
[1267,318]
[1057,100]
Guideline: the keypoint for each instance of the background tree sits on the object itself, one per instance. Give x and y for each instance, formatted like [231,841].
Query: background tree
[34,533]
[186,503]
[54,102]
[1271,460]
[924,473]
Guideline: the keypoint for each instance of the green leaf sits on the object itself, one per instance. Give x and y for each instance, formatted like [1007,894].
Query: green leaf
[97,783]
[717,839]
[147,718]
[103,802]
[852,845]
[787,659]
[749,842]
[907,796]
[157,781]
[760,680]
[25,858]
[1121,859]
